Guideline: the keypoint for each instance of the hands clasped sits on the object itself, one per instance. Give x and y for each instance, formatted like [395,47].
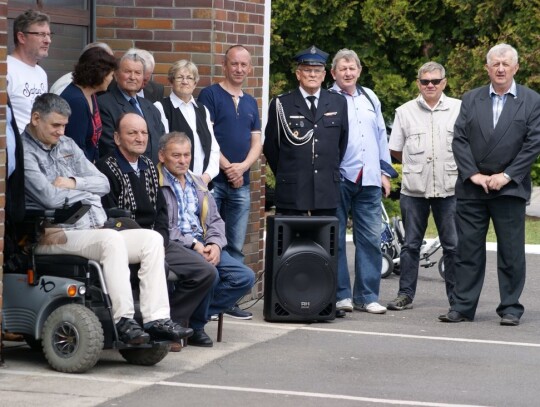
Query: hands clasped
[490,182]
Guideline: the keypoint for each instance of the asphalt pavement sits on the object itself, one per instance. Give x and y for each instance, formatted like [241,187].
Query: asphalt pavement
[400,358]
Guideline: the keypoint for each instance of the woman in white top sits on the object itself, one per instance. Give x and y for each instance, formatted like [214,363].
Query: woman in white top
[180,112]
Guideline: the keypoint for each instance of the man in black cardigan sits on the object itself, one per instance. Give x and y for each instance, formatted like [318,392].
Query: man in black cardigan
[135,187]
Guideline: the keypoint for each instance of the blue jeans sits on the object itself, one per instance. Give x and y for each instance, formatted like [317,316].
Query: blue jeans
[415,214]
[233,205]
[233,282]
[364,203]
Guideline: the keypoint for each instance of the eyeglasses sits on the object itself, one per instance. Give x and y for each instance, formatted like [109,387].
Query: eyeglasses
[40,34]
[312,70]
[184,78]
[426,82]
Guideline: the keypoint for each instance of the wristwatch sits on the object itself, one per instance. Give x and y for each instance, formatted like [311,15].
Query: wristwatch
[193,244]
[507,176]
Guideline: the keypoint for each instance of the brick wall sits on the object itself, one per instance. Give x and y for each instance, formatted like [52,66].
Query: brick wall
[201,31]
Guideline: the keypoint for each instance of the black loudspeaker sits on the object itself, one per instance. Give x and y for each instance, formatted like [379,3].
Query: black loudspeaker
[300,268]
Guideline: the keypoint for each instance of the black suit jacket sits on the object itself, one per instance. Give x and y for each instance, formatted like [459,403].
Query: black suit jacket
[307,176]
[111,105]
[511,147]
[153,91]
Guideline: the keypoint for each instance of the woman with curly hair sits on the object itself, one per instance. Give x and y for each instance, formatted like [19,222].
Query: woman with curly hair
[92,74]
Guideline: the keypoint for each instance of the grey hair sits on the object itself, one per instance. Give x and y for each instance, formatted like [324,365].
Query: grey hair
[98,44]
[133,57]
[148,58]
[500,50]
[430,67]
[183,64]
[348,55]
[48,103]
[26,19]
[173,137]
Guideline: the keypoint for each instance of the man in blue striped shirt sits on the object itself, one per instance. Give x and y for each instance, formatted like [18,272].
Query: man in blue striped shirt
[361,182]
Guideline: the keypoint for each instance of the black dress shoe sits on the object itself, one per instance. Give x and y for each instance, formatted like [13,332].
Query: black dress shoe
[510,320]
[200,338]
[340,313]
[130,332]
[166,329]
[453,316]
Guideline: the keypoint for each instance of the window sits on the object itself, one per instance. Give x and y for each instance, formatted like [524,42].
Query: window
[72,23]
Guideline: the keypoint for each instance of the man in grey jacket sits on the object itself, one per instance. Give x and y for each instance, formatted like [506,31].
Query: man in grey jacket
[421,139]
[194,221]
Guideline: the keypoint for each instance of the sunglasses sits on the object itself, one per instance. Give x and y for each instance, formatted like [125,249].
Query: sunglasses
[426,82]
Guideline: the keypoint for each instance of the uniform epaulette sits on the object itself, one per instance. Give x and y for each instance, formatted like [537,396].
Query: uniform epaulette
[284,94]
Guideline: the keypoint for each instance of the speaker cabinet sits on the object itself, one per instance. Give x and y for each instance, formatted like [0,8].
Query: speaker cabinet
[300,268]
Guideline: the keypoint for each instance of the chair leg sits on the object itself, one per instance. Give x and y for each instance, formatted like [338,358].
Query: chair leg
[220,327]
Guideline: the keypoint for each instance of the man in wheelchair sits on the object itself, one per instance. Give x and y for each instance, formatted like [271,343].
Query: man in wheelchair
[57,173]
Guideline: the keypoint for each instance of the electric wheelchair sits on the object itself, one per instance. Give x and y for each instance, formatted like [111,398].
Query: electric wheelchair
[60,303]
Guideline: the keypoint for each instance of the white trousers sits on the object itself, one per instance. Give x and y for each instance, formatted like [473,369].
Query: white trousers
[115,251]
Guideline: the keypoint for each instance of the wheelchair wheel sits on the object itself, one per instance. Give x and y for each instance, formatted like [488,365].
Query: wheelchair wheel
[387,265]
[440,265]
[72,339]
[145,356]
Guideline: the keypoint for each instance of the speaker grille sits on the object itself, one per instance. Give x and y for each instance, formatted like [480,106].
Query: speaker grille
[327,311]
[279,243]
[304,279]
[280,311]
[332,243]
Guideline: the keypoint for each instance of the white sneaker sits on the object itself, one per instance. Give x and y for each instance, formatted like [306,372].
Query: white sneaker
[345,305]
[372,308]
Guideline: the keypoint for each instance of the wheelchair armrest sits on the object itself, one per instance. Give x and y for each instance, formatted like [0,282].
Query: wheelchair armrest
[118,213]
[67,215]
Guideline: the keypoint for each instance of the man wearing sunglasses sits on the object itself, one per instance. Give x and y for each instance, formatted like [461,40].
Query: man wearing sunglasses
[421,139]
[27,80]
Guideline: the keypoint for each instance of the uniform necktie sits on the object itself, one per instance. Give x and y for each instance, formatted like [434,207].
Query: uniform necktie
[313,108]
[133,102]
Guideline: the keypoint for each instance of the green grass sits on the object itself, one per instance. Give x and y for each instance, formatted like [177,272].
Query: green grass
[532,230]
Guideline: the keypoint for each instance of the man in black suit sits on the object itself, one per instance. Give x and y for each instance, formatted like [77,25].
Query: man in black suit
[305,141]
[151,90]
[496,140]
[123,98]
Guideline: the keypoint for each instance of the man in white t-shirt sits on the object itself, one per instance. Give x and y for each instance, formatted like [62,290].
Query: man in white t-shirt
[26,80]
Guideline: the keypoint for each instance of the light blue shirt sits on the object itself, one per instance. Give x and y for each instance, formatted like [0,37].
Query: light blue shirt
[497,101]
[128,98]
[188,205]
[368,143]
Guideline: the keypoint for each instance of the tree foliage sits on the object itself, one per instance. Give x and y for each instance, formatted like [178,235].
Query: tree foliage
[395,37]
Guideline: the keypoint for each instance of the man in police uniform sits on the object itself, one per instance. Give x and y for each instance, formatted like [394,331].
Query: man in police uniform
[305,141]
